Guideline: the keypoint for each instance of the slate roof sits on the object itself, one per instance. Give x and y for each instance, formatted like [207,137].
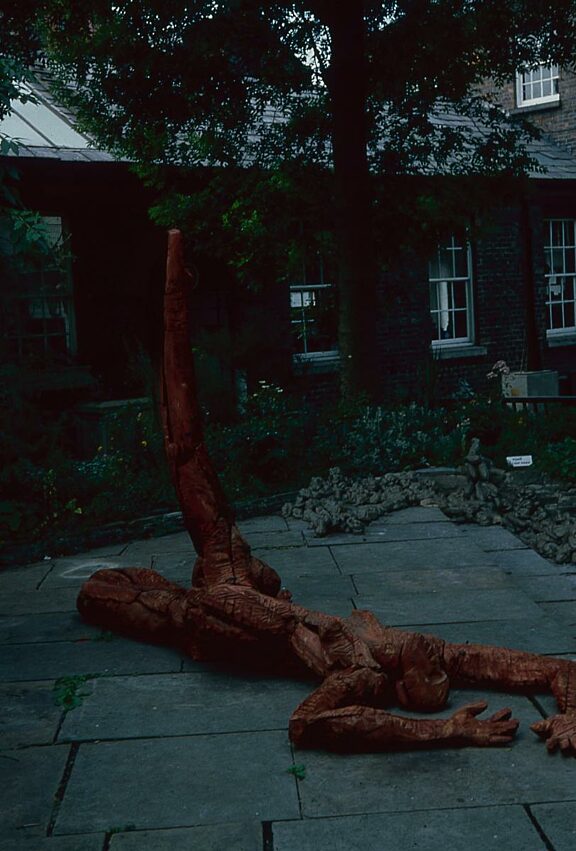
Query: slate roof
[46,130]
[559,163]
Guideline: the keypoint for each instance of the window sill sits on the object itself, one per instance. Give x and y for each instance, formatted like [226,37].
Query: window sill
[535,107]
[466,350]
[554,341]
[316,363]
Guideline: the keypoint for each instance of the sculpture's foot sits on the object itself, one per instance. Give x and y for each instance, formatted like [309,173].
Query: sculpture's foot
[133,601]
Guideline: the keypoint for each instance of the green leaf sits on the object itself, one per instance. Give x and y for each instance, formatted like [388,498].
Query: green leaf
[299,771]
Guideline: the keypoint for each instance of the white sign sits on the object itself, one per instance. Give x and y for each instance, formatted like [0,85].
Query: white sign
[519,460]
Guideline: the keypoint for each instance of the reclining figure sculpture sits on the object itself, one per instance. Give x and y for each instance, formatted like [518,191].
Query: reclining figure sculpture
[235,612]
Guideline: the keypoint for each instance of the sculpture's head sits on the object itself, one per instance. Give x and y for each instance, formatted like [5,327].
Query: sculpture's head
[422,682]
[423,691]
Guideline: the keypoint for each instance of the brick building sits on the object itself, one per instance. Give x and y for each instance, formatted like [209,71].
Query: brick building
[506,292]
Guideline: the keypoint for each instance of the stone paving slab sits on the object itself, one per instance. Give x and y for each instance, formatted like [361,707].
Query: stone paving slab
[558,821]
[28,714]
[182,705]
[299,561]
[72,572]
[24,578]
[526,562]
[35,629]
[414,514]
[388,532]
[21,662]
[214,837]
[28,780]
[275,540]
[420,581]
[564,610]
[533,636]
[492,537]
[176,567]
[179,542]
[450,606]
[79,842]
[429,779]
[486,828]
[548,588]
[38,602]
[266,523]
[328,585]
[411,555]
[180,782]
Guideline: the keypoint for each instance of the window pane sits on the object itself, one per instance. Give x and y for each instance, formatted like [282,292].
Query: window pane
[295,299]
[433,297]
[557,261]
[569,233]
[461,324]
[547,88]
[556,232]
[555,288]
[461,262]
[556,315]
[446,267]
[569,289]
[569,314]
[460,294]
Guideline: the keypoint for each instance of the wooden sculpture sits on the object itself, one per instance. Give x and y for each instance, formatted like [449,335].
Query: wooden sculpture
[235,613]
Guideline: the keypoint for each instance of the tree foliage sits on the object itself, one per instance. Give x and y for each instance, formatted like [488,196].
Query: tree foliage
[306,104]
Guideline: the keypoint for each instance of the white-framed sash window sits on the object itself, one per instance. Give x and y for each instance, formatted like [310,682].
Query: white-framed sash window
[538,85]
[451,301]
[560,274]
[313,313]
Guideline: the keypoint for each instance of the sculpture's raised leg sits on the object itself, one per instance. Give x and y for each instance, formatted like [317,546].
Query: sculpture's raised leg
[223,554]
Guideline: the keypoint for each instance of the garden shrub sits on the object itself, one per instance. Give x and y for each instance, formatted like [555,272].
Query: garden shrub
[278,444]
[559,459]
[381,440]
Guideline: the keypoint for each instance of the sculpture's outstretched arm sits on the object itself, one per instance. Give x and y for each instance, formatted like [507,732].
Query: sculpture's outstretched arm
[224,556]
[345,714]
[498,667]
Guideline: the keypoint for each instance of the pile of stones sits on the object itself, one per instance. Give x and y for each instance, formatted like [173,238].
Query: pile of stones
[541,513]
[345,504]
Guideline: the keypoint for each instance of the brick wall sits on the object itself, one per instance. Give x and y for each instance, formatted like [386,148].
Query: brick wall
[407,365]
[556,120]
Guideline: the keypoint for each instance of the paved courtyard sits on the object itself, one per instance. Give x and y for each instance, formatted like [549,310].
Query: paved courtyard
[165,754]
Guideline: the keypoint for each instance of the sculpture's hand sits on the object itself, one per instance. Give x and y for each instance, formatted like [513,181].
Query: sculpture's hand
[464,728]
[559,731]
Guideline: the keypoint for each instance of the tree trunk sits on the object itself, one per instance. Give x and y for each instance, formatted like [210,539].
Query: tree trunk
[357,268]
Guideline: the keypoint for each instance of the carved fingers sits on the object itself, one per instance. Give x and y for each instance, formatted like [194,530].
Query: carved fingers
[559,732]
[466,729]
